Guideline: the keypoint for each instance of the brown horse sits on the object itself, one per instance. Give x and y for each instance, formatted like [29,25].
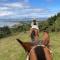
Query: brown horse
[36,52]
[34,33]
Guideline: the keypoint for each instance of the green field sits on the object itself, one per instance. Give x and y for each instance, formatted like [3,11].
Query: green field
[10,49]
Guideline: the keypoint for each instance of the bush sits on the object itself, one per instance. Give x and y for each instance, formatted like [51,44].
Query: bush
[4,31]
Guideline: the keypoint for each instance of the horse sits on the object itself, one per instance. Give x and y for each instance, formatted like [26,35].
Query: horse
[36,52]
[34,34]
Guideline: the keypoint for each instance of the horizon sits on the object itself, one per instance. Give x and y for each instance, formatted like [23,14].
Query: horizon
[10,23]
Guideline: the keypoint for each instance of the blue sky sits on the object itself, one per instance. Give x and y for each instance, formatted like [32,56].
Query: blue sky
[28,8]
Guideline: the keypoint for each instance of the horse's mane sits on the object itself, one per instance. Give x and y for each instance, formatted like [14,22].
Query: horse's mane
[39,51]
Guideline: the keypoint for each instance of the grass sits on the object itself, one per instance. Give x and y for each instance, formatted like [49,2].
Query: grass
[10,49]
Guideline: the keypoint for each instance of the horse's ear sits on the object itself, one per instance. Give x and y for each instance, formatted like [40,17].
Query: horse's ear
[26,45]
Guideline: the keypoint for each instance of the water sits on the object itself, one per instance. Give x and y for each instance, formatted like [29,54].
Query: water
[7,24]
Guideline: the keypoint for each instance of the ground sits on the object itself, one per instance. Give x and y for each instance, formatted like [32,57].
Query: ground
[10,49]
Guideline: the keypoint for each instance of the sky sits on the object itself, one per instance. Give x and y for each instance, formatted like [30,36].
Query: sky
[16,9]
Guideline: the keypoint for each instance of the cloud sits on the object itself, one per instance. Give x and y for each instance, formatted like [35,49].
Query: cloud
[25,13]
[22,9]
[3,8]
[14,5]
[10,11]
[4,1]
[5,13]
[17,5]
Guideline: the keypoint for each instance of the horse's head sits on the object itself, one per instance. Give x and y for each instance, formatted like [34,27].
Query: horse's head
[26,45]
[36,52]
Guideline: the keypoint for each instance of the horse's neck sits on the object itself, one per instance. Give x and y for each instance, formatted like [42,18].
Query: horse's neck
[41,51]
[47,54]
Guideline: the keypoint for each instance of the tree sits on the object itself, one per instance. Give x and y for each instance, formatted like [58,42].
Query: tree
[57,24]
[43,25]
[52,20]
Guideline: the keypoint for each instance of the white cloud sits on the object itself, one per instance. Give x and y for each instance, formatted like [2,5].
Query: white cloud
[37,10]
[17,5]
[3,8]
[21,9]
[5,13]
[34,13]
[13,0]
[27,12]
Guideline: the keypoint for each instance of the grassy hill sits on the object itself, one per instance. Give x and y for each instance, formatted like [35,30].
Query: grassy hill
[10,49]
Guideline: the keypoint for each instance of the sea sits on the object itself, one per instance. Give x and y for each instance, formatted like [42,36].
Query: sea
[2,24]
